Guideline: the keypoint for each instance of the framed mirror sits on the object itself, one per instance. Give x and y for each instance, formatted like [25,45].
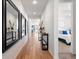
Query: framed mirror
[23,26]
[10,24]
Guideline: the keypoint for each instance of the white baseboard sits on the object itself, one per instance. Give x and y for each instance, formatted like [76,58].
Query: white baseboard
[52,54]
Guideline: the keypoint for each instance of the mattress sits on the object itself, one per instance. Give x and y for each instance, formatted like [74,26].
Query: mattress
[67,38]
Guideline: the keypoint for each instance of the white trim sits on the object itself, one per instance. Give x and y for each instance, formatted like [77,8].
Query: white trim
[52,54]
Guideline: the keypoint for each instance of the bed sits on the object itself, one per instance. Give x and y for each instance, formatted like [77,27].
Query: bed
[65,37]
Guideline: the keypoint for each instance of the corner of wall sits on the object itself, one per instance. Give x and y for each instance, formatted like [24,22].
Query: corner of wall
[52,54]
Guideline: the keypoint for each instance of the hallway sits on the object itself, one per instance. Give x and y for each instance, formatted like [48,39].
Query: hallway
[23,20]
[32,50]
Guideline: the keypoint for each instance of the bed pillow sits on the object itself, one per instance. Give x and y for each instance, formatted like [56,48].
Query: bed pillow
[65,32]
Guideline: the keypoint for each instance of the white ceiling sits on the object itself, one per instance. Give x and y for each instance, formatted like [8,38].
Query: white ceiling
[30,7]
[65,1]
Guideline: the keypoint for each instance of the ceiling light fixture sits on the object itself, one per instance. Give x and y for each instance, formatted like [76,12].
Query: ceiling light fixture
[34,2]
[34,13]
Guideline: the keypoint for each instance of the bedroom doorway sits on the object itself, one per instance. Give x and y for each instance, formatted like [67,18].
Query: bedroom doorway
[65,25]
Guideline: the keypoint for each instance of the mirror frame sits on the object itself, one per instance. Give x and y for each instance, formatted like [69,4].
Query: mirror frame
[4,46]
[25,24]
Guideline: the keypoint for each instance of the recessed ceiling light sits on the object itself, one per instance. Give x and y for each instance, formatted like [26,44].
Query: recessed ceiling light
[34,13]
[34,2]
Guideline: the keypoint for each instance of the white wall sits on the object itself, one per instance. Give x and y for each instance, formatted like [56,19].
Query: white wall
[65,16]
[50,22]
[47,18]
[74,27]
[56,4]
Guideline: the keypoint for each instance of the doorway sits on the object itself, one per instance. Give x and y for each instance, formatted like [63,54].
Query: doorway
[65,30]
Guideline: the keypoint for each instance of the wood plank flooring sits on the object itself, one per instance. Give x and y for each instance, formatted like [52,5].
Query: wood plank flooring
[65,52]
[32,50]
[66,48]
[67,56]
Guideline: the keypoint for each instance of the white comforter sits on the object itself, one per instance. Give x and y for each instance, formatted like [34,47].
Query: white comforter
[66,37]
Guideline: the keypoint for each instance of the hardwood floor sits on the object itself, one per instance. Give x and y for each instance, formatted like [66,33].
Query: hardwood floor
[66,48]
[32,50]
[67,56]
[65,52]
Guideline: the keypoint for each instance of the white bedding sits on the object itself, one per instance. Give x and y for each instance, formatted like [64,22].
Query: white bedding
[66,37]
